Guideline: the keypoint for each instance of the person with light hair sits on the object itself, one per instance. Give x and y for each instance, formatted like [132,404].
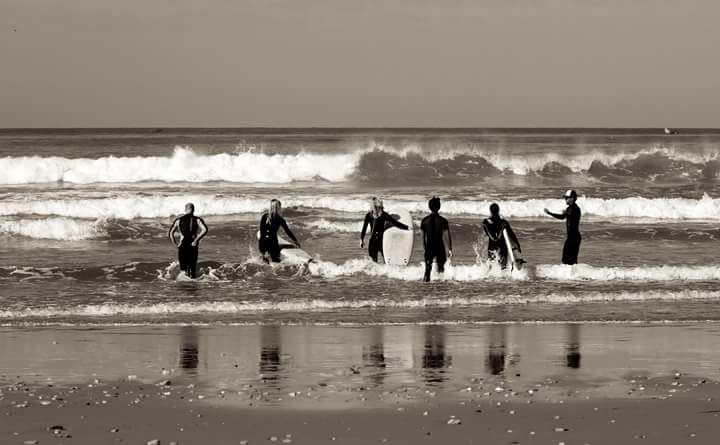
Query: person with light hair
[192,229]
[378,220]
[270,223]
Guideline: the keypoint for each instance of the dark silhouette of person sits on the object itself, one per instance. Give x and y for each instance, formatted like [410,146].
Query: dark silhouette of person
[434,227]
[192,229]
[571,215]
[270,222]
[493,227]
[378,220]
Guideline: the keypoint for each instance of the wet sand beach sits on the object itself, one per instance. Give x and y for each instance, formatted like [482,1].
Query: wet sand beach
[502,383]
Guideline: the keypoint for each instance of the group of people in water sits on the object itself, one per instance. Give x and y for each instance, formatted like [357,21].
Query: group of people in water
[187,231]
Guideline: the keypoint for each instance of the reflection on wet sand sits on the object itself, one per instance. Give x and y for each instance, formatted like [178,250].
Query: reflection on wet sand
[496,349]
[189,354]
[373,355]
[573,346]
[345,359]
[435,360]
[269,366]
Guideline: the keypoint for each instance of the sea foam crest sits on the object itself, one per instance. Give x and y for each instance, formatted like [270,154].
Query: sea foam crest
[162,206]
[184,165]
[53,228]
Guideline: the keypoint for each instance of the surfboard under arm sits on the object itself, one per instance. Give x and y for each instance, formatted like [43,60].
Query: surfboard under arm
[512,258]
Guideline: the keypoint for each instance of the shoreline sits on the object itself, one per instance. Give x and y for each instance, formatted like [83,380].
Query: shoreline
[569,384]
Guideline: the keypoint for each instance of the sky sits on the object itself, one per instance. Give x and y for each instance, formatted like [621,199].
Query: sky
[359,63]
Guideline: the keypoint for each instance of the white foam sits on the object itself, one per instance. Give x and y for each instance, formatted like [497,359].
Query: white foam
[184,165]
[320,305]
[414,272]
[585,272]
[53,228]
[133,206]
[335,226]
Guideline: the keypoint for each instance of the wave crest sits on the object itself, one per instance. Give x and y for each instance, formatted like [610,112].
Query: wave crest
[375,163]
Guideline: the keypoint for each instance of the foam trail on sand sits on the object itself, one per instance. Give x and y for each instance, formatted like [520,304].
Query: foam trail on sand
[306,305]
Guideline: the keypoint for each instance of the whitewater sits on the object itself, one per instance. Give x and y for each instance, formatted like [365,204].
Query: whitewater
[250,166]
[84,216]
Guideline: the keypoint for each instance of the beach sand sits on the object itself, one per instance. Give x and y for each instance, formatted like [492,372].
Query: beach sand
[504,384]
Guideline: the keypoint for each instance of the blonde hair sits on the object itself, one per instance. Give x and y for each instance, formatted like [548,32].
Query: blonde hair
[375,204]
[275,208]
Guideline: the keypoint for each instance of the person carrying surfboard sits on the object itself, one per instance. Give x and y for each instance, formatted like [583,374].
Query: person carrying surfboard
[378,220]
[434,227]
[270,222]
[494,228]
[192,229]
[571,215]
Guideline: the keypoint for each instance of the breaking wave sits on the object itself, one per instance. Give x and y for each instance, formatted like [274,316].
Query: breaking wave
[54,229]
[158,206]
[254,269]
[373,163]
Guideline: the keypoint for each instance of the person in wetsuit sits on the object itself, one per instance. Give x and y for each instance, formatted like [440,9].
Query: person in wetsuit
[378,220]
[493,227]
[270,222]
[571,215]
[434,227]
[192,229]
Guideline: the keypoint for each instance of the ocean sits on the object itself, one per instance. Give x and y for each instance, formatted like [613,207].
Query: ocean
[84,216]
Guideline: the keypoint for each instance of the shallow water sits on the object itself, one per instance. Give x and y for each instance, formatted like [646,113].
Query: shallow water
[84,214]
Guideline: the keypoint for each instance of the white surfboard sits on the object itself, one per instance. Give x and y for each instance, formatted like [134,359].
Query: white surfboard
[514,258]
[291,253]
[398,243]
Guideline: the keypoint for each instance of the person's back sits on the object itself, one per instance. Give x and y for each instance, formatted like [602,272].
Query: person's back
[188,226]
[192,229]
[434,227]
[493,228]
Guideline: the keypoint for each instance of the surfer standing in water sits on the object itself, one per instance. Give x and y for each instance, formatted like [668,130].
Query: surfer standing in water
[434,227]
[270,222]
[378,220]
[192,229]
[493,227]
[572,217]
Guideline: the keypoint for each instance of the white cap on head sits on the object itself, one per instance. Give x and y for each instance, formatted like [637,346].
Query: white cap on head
[571,194]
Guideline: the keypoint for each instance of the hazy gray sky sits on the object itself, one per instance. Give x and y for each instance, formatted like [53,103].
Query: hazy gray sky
[85,63]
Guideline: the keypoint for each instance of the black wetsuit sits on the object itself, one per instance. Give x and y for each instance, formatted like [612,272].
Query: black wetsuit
[433,227]
[187,253]
[571,249]
[268,242]
[377,228]
[497,248]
